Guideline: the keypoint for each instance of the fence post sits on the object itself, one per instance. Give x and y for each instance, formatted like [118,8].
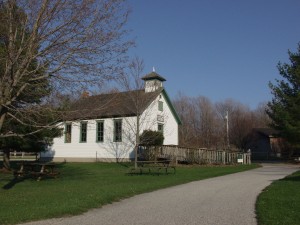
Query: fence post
[249,155]
[175,156]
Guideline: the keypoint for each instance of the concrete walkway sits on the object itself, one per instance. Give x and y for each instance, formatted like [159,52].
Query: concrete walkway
[226,200]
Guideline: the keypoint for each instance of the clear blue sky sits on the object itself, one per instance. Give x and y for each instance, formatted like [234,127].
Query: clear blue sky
[216,48]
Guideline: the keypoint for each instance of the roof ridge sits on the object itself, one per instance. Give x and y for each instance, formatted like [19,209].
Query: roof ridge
[115,93]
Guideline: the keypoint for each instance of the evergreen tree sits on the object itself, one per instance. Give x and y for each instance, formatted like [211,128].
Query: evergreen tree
[284,109]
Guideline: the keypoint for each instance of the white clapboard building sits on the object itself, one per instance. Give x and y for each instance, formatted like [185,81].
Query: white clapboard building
[103,127]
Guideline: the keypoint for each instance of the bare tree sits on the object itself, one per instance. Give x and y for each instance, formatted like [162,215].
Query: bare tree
[186,113]
[71,44]
[199,121]
[241,121]
[142,104]
[261,116]
[241,126]
[207,120]
[204,123]
[129,82]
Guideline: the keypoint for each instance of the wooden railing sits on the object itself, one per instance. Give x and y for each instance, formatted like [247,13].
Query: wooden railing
[21,155]
[193,155]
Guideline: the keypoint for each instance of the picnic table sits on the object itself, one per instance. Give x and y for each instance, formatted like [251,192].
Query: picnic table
[156,166]
[37,170]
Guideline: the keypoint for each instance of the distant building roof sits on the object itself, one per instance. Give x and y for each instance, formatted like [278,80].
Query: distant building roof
[269,132]
[153,75]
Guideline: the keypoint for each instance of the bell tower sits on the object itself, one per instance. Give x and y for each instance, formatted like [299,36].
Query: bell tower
[153,81]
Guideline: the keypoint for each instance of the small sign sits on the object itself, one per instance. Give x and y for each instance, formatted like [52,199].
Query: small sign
[240,158]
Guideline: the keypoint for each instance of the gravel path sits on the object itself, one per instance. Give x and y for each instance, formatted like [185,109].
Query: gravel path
[222,200]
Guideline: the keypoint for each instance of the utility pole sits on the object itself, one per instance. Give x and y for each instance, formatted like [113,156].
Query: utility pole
[227,129]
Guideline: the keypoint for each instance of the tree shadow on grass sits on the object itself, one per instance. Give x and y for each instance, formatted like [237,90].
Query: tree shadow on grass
[13,182]
[19,179]
[27,175]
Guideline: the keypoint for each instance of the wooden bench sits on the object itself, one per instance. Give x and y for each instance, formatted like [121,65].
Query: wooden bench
[41,175]
[26,167]
[37,170]
[153,167]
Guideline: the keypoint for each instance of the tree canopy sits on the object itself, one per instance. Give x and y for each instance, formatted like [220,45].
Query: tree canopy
[21,109]
[49,47]
[284,109]
[57,45]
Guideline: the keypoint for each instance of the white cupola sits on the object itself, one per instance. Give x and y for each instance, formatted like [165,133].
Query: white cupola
[153,81]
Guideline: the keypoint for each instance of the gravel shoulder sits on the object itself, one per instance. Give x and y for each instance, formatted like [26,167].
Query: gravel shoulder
[226,200]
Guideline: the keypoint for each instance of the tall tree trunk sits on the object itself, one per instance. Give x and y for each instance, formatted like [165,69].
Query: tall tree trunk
[6,151]
[2,117]
[137,140]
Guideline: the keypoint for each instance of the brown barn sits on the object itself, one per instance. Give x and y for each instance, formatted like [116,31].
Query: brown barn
[265,143]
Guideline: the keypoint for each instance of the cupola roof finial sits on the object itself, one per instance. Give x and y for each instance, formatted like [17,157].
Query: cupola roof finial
[153,81]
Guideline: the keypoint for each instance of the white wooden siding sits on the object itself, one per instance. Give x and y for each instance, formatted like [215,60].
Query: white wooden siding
[108,149]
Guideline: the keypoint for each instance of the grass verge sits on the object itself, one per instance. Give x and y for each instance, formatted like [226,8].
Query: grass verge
[279,203]
[82,186]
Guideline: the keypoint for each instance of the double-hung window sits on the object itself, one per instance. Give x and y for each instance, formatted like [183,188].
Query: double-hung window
[160,106]
[68,133]
[100,131]
[83,132]
[160,127]
[118,130]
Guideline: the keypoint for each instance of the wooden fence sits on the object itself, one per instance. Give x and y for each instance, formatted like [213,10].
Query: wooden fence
[193,155]
[22,155]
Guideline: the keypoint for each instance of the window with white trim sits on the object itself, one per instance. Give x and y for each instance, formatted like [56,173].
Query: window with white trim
[83,132]
[160,127]
[118,130]
[68,132]
[100,131]
[160,106]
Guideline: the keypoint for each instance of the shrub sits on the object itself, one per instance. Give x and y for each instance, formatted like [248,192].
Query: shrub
[150,137]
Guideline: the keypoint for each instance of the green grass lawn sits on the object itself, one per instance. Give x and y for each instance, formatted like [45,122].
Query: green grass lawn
[280,202]
[82,186]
